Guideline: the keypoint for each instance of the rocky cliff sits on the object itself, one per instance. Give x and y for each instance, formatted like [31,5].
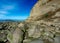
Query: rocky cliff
[45,9]
[42,26]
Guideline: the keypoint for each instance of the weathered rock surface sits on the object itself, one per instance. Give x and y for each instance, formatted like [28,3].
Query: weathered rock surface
[43,25]
[44,9]
[10,32]
[45,21]
[3,35]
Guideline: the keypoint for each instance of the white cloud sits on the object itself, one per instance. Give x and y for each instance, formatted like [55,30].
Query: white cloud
[3,12]
[8,7]
[2,16]
[15,17]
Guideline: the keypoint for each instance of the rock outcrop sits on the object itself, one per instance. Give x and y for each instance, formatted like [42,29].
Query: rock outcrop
[44,21]
[44,9]
[42,26]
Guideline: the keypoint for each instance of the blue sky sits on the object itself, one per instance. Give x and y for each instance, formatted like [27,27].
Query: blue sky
[16,9]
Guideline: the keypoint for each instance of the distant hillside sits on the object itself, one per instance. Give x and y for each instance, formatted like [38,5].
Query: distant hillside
[9,20]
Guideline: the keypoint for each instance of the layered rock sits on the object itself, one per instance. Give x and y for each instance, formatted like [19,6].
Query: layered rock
[42,26]
[44,10]
[44,22]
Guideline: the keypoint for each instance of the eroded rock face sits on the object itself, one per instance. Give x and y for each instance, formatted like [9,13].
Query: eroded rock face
[43,25]
[43,9]
[44,21]
[43,29]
